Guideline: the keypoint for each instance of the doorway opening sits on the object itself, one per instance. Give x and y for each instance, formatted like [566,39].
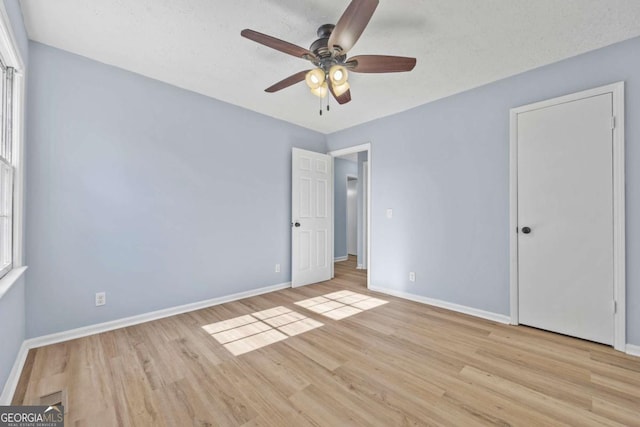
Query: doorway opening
[351,214]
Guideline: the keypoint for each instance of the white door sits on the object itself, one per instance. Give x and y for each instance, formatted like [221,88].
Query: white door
[565,218]
[352,216]
[311,217]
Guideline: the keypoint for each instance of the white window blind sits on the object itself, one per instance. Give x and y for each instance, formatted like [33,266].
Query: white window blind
[6,213]
[6,171]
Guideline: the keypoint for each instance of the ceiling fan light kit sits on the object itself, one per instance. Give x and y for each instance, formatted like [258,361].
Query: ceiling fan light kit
[317,81]
[329,54]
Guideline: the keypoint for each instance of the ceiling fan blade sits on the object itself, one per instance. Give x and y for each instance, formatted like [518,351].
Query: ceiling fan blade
[277,44]
[291,80]
[342,99]
[351,24]
[380,64]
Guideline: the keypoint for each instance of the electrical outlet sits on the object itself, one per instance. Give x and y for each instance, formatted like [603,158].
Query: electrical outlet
[412,276]
[101,298]
[277,268]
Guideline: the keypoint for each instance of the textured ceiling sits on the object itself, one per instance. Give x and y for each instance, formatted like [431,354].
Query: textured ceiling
[459,44]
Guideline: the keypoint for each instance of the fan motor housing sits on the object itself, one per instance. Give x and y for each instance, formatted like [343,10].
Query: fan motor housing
[324,31]
[320,47]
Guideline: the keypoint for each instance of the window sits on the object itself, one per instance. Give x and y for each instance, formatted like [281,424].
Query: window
[12,87]
[7,169]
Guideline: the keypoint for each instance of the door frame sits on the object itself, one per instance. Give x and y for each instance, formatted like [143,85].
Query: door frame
[365,215]
[619,280]
[350,150]
[346,183]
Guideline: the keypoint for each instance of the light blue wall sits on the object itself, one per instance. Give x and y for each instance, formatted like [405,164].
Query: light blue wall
[12,303]
[444,169]
[342,168]
[154,194]
[12,327]
[141,189]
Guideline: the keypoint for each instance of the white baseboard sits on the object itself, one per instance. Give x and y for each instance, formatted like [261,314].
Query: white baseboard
[500,318]
[633,350]
[360,267]
[16,370]
[14,376]
[340,258]
[147,317]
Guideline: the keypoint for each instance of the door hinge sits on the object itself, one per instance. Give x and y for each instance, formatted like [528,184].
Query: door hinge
[613,122]
[615,307]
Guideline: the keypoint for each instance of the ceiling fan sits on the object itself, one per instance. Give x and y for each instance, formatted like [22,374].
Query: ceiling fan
[329,54]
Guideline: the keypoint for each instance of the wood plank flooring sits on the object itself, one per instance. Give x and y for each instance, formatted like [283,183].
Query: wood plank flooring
[398,364]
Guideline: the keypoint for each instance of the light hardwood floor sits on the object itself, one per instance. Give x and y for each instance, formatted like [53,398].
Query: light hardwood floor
[398,364]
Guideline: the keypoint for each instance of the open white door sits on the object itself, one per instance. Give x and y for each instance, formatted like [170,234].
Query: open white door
[311,217]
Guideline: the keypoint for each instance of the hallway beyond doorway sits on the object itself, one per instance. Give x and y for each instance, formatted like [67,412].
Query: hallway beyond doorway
[347,272]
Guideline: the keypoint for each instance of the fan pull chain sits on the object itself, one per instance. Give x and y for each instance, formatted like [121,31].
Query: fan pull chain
[328,99]
[320,106]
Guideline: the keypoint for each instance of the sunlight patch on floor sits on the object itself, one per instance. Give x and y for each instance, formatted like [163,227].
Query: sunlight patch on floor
[252,331]
[341,304]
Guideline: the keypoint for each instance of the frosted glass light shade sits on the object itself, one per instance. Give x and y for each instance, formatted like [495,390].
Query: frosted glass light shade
[338,75]
[321,91]
[315,78]
[339,90]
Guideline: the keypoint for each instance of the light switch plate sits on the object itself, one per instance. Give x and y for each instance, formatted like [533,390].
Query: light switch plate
[389,213]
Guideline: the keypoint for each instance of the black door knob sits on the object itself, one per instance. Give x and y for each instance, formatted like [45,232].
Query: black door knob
[297,224]
[526,230]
